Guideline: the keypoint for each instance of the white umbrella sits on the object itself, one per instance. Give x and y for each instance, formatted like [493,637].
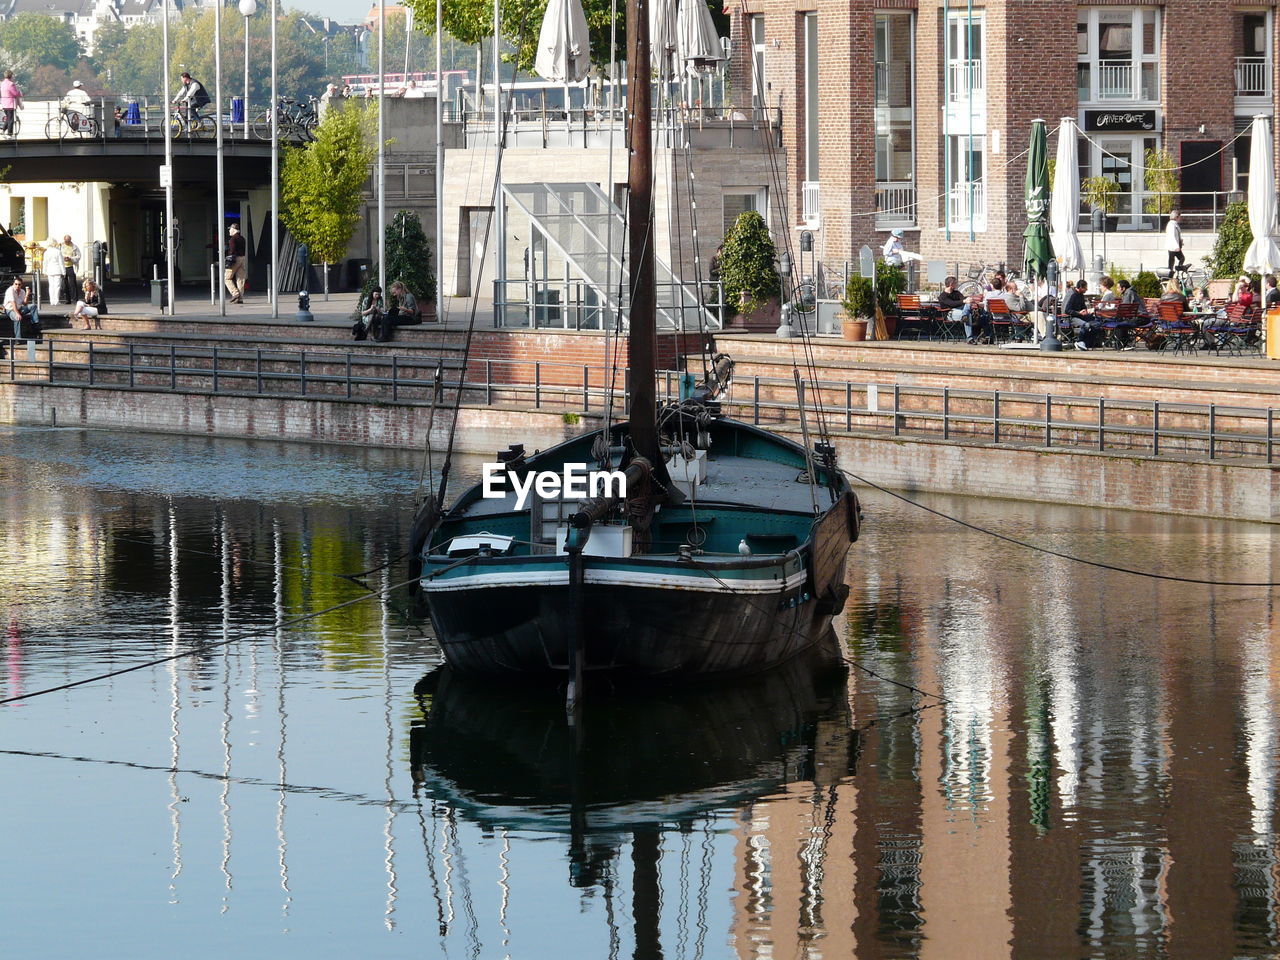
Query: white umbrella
[1262,256]
[696,36]
[564,46]
[663,37]
[1064,206]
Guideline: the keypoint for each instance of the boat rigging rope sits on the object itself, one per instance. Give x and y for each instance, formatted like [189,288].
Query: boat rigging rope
[205,647]
[1058,553]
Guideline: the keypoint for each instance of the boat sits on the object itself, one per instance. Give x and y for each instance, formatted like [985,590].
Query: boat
[722,553]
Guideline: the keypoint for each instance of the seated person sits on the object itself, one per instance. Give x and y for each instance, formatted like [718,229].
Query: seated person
[1200,302]
[405,308]
[999,291]
[955,303]
[90,305]
[19,310]
[1173,294]
[1108,294]
[1243,292]
[1083,322]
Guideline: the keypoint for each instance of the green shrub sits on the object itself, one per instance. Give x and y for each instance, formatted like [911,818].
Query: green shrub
[1234,237]
[747,264]
[1147,284]
[890,281]
[859,302]
[1160,176]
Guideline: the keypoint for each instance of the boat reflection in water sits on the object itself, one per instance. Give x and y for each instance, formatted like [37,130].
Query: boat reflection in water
[632,768]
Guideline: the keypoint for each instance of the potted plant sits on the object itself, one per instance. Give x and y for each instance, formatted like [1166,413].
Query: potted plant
[749,272]
[859,305]
[1100,193]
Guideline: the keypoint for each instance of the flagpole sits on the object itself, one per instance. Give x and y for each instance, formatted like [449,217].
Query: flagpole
[382,149]
[275,173]
[439,158]
[220,212]
[168,160]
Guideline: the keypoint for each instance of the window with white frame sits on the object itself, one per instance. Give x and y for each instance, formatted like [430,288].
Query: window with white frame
[964,172]
[1118,54]
[738,200]
[966,77]
[759,86]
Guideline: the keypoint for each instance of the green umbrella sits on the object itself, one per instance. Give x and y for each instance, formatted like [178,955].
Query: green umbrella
[1038,251]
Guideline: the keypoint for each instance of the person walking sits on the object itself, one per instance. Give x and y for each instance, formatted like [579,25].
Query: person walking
[10,100]
[1173,240]
[53,269]
[234,274]
[70,264]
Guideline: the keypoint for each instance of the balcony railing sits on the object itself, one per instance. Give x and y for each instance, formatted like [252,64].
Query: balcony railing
[966,79]
[1115,80]
[811,203]
[967,204]
[895,203]
[1252,77]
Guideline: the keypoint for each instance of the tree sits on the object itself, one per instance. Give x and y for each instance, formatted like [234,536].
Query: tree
[1160,176]
[747,263]
[1234,237]
[409,255]
[471,21]
[322,183]
[46,40]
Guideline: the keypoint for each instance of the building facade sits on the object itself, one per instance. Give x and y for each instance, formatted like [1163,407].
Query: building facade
[902,114]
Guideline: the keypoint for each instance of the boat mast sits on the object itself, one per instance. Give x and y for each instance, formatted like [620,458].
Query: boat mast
[642,340]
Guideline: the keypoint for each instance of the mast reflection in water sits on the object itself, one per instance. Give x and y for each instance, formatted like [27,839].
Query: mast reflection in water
[1100,780]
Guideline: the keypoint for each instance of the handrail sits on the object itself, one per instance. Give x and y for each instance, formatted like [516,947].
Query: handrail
[1158,429]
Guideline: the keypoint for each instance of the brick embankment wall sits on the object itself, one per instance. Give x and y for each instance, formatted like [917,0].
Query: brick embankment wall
[1079,477]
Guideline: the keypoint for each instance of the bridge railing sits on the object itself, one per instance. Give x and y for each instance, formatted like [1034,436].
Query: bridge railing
[142,118]
[1154,428]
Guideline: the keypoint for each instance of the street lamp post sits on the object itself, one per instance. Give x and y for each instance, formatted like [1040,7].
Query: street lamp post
[247,9]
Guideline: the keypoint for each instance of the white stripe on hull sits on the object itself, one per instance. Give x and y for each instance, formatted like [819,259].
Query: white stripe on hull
[703,582]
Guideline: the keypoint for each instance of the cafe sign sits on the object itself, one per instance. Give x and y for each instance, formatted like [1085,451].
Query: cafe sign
[1105,121]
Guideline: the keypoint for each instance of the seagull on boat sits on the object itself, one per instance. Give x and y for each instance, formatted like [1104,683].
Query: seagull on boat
[743,548]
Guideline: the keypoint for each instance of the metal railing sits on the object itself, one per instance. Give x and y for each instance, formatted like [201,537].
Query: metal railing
[1033,420]
[1037,420]
[966,79]
[1115,80]
[967,202]
[1252,77]
[591,126]
[811,203]
[895,203]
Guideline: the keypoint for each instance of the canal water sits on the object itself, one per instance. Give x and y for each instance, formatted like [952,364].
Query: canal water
[1028,757]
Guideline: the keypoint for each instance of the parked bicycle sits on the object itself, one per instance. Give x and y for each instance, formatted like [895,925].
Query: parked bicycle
[190,122]
[297,120]
[69,123]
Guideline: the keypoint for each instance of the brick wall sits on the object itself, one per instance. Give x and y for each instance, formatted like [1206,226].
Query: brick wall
[1030,63]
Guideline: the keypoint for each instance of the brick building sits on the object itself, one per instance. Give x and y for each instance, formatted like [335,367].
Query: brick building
[906,114]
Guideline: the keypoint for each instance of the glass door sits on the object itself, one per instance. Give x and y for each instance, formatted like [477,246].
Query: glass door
[1119,159]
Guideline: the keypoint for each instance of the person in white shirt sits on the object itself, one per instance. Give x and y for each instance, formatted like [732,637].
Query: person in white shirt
[895,252]
[1173,240]
[78,103]
[70,264]
[17,308]
[53,269]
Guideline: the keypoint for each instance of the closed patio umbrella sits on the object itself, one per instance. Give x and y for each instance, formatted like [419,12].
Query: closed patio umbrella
[1037,247]
[696,38]
[1262,256]
[564,46]
[663,34]
[1064,209]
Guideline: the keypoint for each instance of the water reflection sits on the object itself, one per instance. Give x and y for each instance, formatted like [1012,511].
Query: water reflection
[1098,778]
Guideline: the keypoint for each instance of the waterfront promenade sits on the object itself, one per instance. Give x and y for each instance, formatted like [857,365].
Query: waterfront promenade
[1149,431]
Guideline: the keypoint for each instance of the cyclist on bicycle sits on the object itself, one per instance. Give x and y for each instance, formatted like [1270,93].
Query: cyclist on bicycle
[78,105]
[191,98]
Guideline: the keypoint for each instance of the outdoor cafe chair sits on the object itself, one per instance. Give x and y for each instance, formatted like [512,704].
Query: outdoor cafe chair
[1119,323]
[913,318]
[1180,334]
[1014,323]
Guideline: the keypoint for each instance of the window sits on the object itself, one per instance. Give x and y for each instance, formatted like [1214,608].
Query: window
[895,119]
[964,203]
[965,76]
[738,200]
[1253,63]
[1118,54]
[811,97]
[758,84]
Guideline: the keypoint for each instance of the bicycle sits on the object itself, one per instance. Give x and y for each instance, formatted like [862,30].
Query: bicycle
[70,122]
[190,122]
[296,120]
